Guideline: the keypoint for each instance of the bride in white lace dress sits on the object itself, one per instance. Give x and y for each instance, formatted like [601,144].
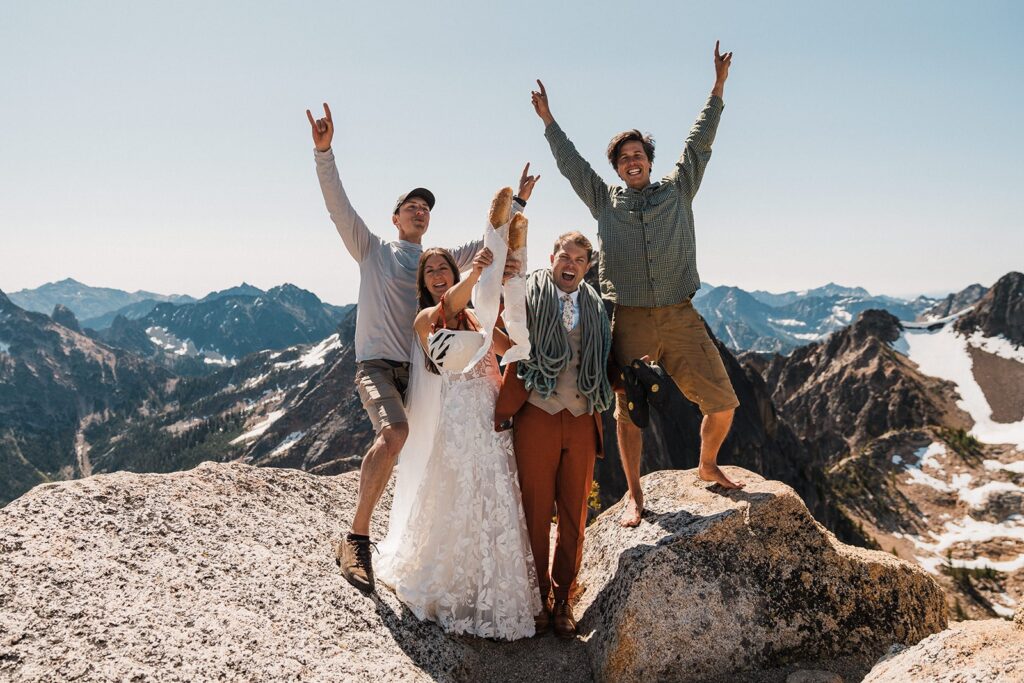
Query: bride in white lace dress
[461,556]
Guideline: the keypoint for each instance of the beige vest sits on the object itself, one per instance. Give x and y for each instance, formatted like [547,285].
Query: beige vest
[567,395]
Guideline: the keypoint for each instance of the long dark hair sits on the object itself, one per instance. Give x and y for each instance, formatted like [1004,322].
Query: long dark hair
[424,298]
[423,295]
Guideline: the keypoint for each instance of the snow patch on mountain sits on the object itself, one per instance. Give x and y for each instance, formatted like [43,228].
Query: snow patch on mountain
[840,316]
[940,352]
[928,458]
[978,497]
[1008,607]
[968,530]
[926,467]
[315,356]
[997,346]
[287,443]
[259,428]
[5,347]
[254,382]
[925,458]
[171,343]
[995,465]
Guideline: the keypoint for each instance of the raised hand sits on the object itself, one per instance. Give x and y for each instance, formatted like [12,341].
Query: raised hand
[722,64]
[540,104]
[526,183]
[483,258]
[323,129]
[512,267]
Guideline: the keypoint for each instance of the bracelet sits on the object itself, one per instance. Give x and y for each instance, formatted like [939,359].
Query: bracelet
[519,200]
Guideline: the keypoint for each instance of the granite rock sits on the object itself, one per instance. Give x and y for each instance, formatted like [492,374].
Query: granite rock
[226,572]
[221,572]
[714,585]
[985,651]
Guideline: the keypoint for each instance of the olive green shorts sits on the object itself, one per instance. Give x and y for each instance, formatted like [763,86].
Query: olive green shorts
[381,385]
[676,337]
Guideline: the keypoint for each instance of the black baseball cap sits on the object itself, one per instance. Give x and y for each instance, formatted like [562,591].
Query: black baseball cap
[421,192]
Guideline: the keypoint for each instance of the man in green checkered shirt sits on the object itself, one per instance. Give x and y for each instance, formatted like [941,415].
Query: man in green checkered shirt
[649,269]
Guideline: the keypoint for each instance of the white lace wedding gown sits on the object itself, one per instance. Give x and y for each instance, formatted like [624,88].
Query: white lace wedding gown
[464,559]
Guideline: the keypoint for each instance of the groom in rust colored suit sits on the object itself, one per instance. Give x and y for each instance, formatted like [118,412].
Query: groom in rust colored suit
[553,402]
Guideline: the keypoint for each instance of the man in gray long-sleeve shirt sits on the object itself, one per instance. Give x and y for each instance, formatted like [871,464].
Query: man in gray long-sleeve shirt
[384,332]
[649,269]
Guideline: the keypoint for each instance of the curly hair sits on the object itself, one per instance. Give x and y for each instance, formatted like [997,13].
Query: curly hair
[615,146]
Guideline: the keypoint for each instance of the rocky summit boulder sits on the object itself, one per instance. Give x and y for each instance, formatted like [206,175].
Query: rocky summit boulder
[988,650]
[717,585]
[226,572]
[223,572]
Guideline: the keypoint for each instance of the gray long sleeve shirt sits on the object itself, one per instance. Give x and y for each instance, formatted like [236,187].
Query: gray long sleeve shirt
[648,247]
[387,273]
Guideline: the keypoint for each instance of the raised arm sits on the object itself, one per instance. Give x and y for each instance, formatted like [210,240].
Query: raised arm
[689,169]
[358,239]
[455,299]
[464,255]
[587,184]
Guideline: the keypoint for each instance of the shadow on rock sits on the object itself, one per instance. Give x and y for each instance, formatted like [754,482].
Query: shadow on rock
[718,584]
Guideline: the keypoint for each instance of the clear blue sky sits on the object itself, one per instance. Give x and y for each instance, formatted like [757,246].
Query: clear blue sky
[164,146]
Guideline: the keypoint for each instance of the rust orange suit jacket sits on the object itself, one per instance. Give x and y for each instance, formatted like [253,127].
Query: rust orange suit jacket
[513,395]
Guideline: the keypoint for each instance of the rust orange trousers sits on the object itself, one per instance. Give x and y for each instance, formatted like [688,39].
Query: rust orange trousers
[555,455]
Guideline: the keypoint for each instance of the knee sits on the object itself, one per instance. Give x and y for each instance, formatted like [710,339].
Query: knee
[721,418]
[393,437]
[723,415]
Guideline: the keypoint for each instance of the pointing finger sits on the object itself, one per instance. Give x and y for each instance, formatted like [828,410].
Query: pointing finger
[309,115]
[543,92]
[327,110]
[717,54]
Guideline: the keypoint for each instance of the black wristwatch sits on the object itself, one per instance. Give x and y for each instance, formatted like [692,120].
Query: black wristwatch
[519,200]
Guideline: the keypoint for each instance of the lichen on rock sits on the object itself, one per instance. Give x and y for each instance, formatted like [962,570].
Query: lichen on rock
[717,583]
[226,572]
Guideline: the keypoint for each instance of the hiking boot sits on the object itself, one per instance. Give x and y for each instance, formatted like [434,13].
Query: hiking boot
[653,378]
[565,624]
[636,397]
[353,556]
[542,620]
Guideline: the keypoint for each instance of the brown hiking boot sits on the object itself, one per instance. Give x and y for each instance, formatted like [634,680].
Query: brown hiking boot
[353,556]
[565,624]
[542,620]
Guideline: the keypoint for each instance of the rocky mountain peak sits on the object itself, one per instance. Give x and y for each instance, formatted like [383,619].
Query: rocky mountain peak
[62,315]
[954,303]
[1000,312]
[833,289]
[854,387]
[244,289]
[291,294]
[875,323]
[4,301]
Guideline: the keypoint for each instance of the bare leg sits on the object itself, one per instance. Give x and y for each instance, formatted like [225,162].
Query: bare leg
[376,469]
[713,430]
[630,446]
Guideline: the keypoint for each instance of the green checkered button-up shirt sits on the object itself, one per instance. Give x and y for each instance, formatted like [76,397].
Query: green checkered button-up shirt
[648,250]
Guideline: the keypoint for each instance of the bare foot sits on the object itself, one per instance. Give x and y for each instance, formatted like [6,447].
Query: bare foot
[631,515]
[714,473]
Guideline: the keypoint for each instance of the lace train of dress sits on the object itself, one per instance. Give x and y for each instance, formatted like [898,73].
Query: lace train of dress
[464,558]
